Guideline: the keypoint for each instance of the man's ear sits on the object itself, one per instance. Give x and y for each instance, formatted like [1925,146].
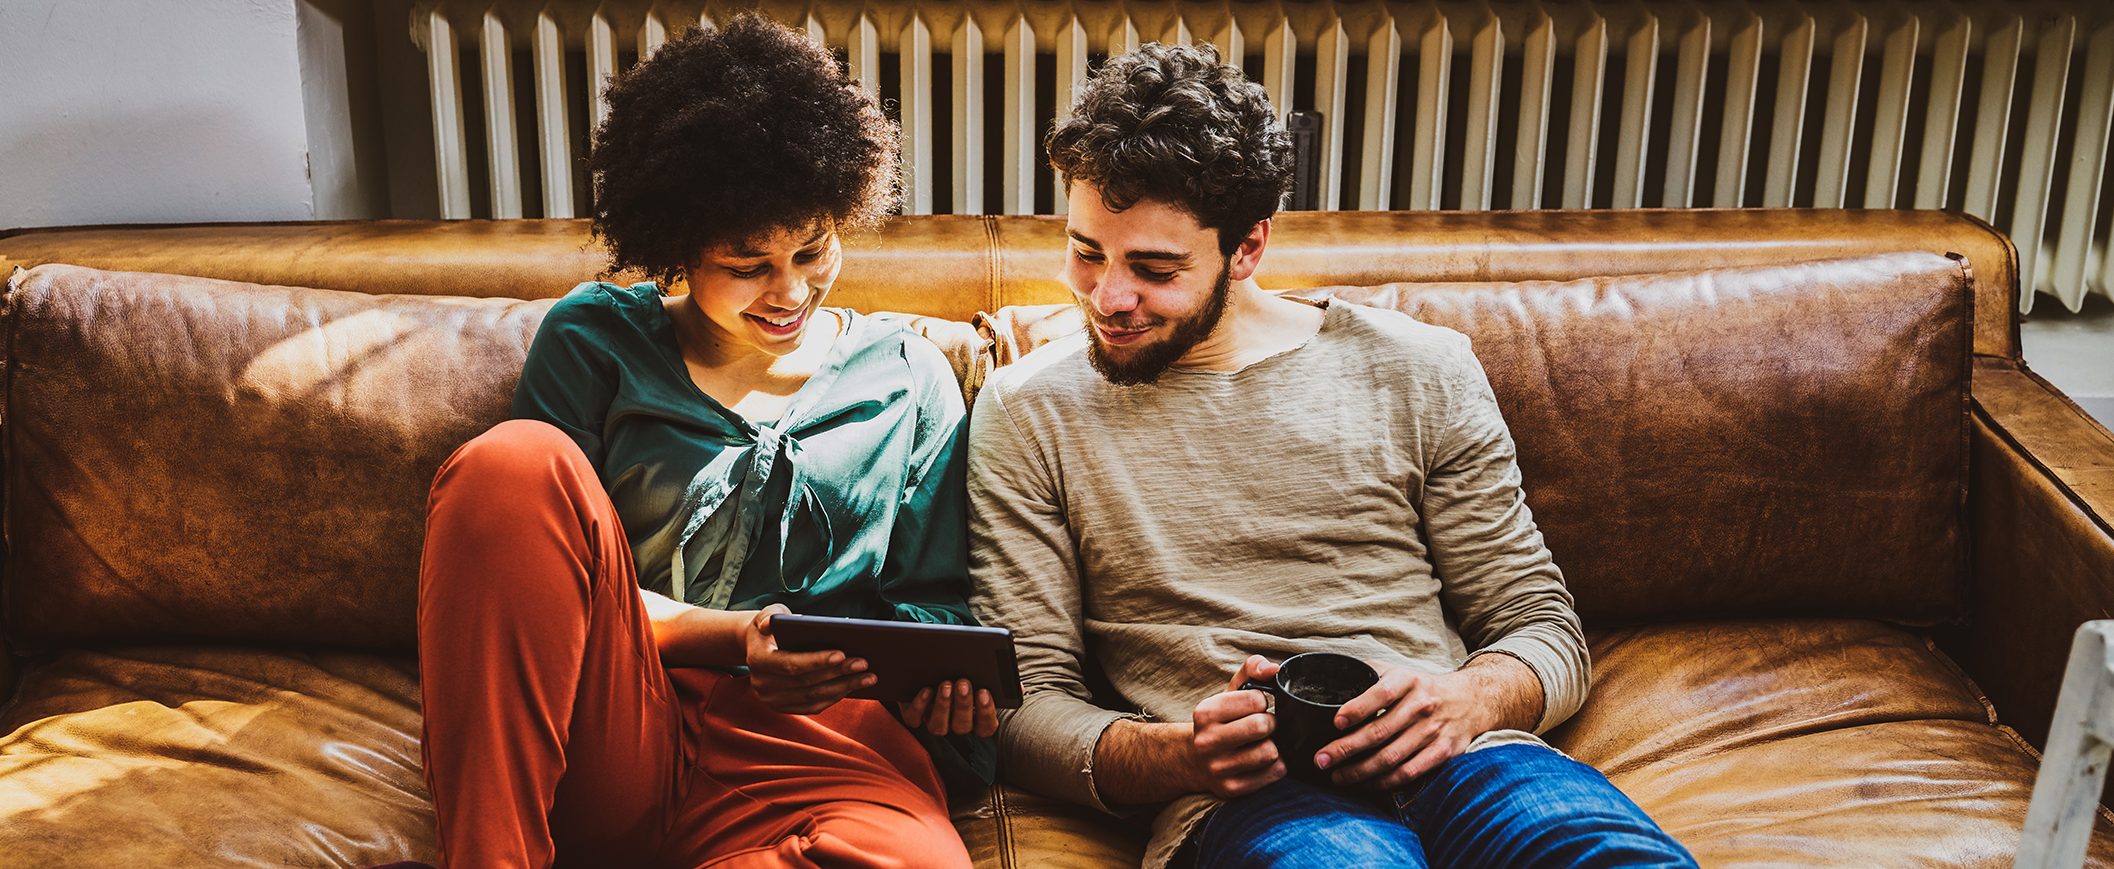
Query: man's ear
[1249,255]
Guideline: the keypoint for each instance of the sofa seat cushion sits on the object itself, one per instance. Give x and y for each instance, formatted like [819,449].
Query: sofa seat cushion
[196,757]
[1756,743]
[1807,743]
[1778,743]
[216,757]
[1009,828]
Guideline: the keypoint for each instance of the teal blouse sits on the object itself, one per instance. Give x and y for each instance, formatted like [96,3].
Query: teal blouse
[851,504]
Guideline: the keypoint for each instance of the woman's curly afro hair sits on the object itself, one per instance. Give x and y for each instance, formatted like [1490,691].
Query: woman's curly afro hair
[726,135]
[1171,124]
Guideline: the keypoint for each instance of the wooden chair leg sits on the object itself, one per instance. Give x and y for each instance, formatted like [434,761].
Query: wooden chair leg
[2066,795]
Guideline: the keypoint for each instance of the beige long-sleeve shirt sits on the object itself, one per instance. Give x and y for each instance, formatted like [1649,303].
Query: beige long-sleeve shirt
[1357,494]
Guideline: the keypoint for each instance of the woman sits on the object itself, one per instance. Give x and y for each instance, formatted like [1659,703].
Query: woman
[599,570]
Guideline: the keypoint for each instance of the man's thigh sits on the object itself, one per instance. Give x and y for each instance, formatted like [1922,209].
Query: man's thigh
[1529,806]
[1293,825]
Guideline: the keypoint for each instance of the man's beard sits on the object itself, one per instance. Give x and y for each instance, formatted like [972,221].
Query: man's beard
[1147,363]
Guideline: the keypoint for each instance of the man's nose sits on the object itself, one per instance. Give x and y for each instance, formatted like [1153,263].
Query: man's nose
[1114,294]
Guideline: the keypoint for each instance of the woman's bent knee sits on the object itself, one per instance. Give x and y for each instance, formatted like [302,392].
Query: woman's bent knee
[513,453]
[871,834]
[521,494]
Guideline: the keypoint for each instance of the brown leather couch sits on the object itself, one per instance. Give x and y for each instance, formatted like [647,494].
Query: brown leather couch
[1828,533]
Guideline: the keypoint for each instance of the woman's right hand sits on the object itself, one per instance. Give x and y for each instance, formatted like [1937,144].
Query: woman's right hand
[954,708]
[798,683]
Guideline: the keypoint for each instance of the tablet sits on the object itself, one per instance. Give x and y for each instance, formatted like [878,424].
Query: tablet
[910,656]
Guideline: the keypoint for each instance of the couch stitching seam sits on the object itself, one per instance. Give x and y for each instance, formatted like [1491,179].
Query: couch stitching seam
[1002,821]
[995,264]
[1963,515]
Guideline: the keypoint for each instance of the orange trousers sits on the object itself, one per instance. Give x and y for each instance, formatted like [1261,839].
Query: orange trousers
[553,735]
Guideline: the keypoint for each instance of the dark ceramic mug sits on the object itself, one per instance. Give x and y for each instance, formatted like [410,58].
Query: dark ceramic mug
[1305,695]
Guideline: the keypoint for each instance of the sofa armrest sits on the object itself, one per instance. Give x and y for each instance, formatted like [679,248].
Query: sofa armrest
[2041,500]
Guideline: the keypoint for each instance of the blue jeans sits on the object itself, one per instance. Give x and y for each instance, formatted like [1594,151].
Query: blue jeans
[1505,806]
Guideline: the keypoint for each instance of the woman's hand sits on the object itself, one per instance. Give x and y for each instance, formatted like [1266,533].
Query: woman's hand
[798,683]
[951,709]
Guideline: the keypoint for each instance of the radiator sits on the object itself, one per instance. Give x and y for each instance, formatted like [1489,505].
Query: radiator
[2000,112]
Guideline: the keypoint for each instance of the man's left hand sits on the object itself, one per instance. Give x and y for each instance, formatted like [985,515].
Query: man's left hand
[1410,722]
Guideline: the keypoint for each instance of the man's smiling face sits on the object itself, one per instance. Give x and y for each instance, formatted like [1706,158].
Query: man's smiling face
[1150,280]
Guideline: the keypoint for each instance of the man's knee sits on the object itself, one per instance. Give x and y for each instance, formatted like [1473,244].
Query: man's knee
[1520,773]
[1532,805]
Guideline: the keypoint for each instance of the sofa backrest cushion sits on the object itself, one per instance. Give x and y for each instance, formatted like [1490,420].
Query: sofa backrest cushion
[191,458]
[955,265]
[198,459]
[1786,439]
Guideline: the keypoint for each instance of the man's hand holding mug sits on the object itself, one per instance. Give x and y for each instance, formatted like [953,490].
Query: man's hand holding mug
[1229,742]
[1405,725]
[1273,720]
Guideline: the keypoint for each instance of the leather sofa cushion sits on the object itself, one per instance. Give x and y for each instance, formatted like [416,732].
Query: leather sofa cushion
[221,757]
[1807,743]
[197,757]
[198,459]
[201,459]
[1760,440]
[1763,440]
[1755,743]
[956,265]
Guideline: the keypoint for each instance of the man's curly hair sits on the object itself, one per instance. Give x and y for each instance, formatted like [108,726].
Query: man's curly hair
[726,135]
[1171,124]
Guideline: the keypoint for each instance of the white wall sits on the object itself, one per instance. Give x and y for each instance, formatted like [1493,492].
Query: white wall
[151,111]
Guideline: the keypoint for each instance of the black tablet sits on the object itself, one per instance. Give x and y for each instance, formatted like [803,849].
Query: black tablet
[910,656]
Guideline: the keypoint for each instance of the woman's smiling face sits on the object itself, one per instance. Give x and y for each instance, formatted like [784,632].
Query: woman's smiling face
[761,293]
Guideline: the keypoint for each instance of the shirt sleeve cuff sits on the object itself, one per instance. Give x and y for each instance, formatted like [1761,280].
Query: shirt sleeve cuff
[1564,674]
[1049,748]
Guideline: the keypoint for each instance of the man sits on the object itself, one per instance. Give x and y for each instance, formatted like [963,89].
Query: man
[1211,478]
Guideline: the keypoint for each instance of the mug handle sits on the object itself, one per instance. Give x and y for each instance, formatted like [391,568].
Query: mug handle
[1269,693]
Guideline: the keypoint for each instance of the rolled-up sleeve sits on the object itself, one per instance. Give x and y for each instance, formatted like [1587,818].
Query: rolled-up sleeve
[1025,568]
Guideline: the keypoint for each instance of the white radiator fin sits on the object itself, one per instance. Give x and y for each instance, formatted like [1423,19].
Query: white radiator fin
[1426,105]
